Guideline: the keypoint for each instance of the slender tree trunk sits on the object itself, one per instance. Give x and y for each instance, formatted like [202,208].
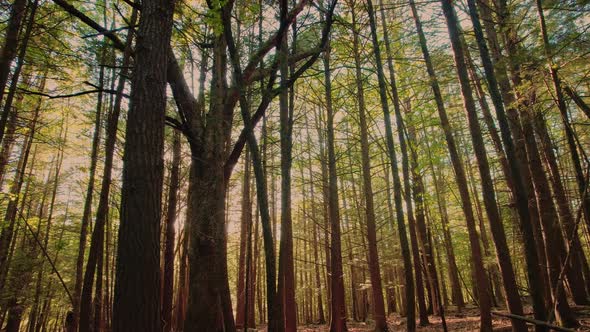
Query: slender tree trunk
[8,115]
[286,274]
[337,298]
[8,226]
[168,290]
[561,105]
[246,220]
[374,269]
[515,153]
[554,242]
[410,300]
[86,216]
[482,280]
[418,194]
[456,293]
[577,263]
[10,137]
[8,52]
[97,240]
[35,310]
[318,283]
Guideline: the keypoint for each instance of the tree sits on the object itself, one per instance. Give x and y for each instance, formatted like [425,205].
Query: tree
[137,284]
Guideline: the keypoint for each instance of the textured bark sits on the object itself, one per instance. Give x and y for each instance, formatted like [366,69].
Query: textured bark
[137,285]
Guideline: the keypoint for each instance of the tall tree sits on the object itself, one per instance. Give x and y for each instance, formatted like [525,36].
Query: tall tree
[137,283]
[170,234]
[374,268]
[337,298]
[401,228]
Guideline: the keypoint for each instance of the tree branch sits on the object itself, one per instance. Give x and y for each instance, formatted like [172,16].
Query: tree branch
[71,95]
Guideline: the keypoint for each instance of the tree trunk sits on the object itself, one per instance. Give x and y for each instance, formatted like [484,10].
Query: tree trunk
[137,286]
[374,269]
[410,301]
[561,105]
[337,298]
[8,226]
[168,290]
[8,52]
[286,273]
[245,221]
[515,153]
[554,242]
[418,194]
[318,283]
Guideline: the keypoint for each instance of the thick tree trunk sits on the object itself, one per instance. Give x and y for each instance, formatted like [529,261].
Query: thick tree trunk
[137,285]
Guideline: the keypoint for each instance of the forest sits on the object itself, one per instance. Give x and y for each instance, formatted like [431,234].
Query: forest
[294,165]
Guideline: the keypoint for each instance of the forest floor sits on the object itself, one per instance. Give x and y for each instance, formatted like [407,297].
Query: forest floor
[467,320]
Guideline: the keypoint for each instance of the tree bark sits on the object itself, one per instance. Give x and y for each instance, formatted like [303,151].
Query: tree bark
[137,285]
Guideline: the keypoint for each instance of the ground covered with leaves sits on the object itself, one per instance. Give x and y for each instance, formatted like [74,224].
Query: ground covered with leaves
[466,320]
